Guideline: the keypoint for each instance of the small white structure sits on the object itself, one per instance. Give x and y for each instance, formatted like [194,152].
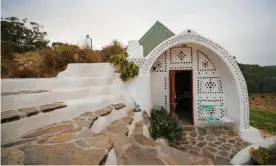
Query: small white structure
[134,49]
[212,78]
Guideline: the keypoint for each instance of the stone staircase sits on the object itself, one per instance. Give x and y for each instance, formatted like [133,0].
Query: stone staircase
[75,142]
[83,116]
[80,88]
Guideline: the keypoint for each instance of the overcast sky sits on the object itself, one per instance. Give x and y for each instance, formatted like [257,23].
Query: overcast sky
[245,28]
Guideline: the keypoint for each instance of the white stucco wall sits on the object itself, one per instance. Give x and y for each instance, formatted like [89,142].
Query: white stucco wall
[80,86]
[203,65]
[138,90]
[234,86]
[134,49]
[10,85]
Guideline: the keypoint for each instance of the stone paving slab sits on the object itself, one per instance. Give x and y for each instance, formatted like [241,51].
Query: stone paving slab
[82,143]
[100,141]
[23,92]
[52,107]
[50,130]
[85,132]
[118,106]
[12,156]
[220,147]
[20,142]
[134,155]
[74,130]
[102,112]
[61,138]
[118,129]
[10,115]
[29,111]
[56,155]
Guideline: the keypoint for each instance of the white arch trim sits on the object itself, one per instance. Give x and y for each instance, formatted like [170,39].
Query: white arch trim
[189,36]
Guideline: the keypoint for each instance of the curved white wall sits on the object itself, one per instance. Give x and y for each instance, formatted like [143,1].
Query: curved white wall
[207,68]
[229,61]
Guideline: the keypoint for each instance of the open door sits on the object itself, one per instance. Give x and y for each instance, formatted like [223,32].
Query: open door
[181,95]
[172,94]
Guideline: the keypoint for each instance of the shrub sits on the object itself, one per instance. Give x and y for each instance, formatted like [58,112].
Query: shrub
[126,69]
[259,155]
[272,154]
[114,48]
[264,156]
[165,125]
[7,50]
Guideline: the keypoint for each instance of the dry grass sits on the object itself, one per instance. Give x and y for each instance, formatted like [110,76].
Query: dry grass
[263,112]
[113,48]
[263,101]
[47,62]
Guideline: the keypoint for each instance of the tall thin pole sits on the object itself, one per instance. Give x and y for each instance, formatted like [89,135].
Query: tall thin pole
[91,43]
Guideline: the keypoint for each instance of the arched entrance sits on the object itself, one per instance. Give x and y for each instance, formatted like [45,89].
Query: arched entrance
[220,72]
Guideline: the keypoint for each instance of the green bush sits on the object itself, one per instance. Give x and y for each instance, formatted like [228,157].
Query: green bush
[165,125]
[272,154]
[259,155]
[113,48]
[126,69]
[264,156]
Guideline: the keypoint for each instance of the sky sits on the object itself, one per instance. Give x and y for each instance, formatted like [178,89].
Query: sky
[245,28]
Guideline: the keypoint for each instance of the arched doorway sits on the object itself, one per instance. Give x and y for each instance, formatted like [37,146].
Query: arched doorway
[220,72]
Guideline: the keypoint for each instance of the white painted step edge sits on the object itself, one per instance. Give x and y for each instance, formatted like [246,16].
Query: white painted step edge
[60,95]
[14,85]
[17,128]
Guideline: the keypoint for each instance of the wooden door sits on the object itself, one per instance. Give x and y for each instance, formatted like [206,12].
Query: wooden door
[172,92]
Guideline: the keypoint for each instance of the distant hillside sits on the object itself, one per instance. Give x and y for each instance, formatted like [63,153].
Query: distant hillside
[259,79]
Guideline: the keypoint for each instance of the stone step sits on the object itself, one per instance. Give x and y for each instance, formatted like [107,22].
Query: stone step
[12,115]
[43,146]
[23,92]
[87,69]
[21,84]
[73,109]
[34,99]
[70,134]
[116,114]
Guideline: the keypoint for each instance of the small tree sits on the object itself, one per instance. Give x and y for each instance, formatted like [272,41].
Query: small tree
[23,36]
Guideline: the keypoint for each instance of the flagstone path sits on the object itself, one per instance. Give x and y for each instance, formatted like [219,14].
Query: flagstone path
[72,142]
[220,147]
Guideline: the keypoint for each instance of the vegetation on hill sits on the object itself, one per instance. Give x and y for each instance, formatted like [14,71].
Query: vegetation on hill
[259,79]
[21,36]
[25,51]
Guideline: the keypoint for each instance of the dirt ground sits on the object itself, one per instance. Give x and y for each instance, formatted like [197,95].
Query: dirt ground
[263,101]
